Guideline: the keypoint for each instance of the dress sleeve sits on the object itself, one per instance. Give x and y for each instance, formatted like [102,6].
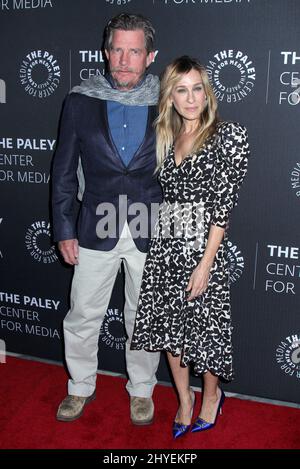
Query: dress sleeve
[230,170]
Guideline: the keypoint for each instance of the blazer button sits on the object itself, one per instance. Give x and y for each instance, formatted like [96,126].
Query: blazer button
[126,172]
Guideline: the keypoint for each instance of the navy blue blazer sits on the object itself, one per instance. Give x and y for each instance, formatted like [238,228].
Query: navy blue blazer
[84,132]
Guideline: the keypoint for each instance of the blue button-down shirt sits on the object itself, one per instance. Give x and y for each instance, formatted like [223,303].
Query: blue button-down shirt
[127,126]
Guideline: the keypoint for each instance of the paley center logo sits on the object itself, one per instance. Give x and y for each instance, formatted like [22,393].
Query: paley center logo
[288,355]
[24,4]
[290,79]
[37,241]
[118,2]
[17,165]
[112,331]
[96,58]
[40,74]
[232,75]
[295,179]
[283,269]
[236,262]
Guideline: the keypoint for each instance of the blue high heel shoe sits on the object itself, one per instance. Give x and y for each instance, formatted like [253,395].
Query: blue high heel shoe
[201,425]
[179,429]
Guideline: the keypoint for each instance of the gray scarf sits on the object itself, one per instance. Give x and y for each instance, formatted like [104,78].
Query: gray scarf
[98,87]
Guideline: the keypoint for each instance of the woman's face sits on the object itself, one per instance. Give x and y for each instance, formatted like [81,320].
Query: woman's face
[188,95]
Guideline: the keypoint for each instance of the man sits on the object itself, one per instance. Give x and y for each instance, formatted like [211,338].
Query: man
[108,122]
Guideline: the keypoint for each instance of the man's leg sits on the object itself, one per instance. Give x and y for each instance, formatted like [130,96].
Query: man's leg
[92,285]
[141,365]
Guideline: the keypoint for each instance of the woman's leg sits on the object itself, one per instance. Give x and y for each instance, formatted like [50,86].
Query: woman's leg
[181,377]
[210,397]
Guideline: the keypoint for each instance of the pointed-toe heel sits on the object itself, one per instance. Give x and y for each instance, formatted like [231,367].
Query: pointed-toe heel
[201,425]
[179,429]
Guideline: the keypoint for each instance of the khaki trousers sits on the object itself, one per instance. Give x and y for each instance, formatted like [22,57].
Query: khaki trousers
[92,285]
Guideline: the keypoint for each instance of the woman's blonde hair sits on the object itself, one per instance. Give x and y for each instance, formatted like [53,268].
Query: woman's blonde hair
[168,123]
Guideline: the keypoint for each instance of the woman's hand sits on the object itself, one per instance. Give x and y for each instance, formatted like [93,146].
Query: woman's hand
[199,280]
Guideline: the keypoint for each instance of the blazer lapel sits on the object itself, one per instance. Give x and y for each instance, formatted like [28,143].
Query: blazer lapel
[152,113]
[107,135]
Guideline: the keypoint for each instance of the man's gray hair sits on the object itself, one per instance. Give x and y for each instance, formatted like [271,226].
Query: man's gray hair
[130,23]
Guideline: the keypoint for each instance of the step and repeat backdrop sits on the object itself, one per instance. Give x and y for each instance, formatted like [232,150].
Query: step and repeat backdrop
[251,49]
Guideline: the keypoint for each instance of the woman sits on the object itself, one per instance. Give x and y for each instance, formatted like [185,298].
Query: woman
[184,304]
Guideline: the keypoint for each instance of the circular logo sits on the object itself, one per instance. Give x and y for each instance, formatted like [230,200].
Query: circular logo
[288,355]
[236,262]
[40,74]
[117,2]
[295,179]
[112,331]
[232,75]
[37,241]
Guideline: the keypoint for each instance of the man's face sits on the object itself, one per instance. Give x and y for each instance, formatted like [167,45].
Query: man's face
[128,58]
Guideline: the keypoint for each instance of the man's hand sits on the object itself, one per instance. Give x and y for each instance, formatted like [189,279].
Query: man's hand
[69,250]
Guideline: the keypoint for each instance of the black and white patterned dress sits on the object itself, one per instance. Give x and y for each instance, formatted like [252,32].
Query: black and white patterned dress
[199,192]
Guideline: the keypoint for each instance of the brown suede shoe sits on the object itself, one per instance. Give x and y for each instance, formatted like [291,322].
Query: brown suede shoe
[71,408]
[141,410]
